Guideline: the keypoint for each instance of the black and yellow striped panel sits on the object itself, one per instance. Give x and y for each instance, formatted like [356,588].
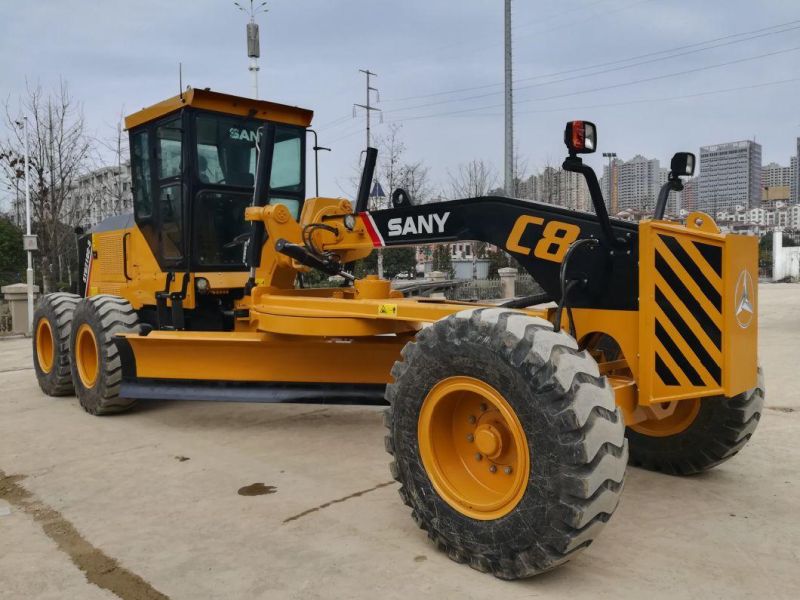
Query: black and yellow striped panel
[688,314]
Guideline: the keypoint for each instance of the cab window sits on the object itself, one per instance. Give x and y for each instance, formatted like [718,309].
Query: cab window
[286,180]
[169,139]
[140,174]
[226,150]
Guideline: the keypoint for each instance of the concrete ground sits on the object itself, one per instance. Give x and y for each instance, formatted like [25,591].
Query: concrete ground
[192,500]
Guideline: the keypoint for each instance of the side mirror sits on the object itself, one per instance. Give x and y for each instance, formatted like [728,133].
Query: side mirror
[682,164]
[580,137]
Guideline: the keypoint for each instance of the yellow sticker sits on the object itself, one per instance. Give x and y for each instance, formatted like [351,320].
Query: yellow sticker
[387,310]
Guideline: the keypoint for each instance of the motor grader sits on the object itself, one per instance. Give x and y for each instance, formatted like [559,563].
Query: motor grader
[510,426]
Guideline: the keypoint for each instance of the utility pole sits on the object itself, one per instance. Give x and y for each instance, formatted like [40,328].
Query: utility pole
[253,43]
[368,108]
[509,153]
[612,183]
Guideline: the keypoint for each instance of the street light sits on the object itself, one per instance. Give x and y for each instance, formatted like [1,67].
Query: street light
[253,45]
[29,241]
[612,204]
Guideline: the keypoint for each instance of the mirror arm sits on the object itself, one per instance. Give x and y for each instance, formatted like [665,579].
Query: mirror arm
[575,164]
[673,184]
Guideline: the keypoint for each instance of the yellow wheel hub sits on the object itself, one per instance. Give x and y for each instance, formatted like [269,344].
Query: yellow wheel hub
[672,418]
[45,345]
[473,448]
[86,356]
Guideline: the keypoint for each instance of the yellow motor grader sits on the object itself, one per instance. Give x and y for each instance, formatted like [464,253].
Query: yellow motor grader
[510,425]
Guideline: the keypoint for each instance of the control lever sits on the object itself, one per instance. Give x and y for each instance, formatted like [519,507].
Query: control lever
[304,257]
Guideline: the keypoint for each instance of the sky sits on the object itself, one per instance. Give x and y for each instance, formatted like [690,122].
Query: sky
[732,73]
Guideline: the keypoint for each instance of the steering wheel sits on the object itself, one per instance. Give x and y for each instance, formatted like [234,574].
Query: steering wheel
[242,238]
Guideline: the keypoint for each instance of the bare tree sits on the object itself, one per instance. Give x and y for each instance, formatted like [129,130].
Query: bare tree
[110,190]
[471,180]
[520,170]
[59,155]
[414,180]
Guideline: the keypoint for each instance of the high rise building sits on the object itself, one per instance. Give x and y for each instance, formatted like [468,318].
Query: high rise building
[730,176]
[689,194]
[775,175]
[557,186]
[794,167]
[637,183]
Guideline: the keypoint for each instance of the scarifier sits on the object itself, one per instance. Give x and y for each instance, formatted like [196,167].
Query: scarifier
[509,426]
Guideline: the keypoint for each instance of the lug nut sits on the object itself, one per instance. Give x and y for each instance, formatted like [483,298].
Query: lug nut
[470,437]
[507,470]
[483,407]
[493,469]
[478,456]
[472,419]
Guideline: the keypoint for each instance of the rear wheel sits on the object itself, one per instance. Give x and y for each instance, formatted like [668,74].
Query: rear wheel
[699,434]
[96,364]
[52,323]
[506,441]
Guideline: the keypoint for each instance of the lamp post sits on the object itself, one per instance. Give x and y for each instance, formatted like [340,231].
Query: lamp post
[253,44]
[29,241]
[612,204]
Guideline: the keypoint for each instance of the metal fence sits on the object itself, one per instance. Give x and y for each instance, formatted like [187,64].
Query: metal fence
[476,290]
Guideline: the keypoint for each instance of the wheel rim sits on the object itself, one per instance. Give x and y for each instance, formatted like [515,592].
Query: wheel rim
[473,448]
[86,356]
[682,416]
[45,346]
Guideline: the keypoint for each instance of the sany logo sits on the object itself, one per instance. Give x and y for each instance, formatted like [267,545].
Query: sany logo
[433,223]
[243,134]
[87,262]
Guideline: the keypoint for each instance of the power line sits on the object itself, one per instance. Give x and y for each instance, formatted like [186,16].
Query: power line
[552,16]
[614,62]
[612,86]
[631,102]
[601,72]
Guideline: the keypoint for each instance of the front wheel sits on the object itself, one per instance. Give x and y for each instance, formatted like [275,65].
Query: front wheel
[506,441]
[699,434]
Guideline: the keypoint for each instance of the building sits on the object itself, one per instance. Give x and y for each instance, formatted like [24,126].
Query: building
[560,187]
[103,193]
[637,184]
[794,187]
[689,194]
[775,175]
[730,176]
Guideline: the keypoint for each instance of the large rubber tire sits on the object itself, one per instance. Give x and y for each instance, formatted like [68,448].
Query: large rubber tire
[104,316]
[52,324]
[721,428]
[574,433]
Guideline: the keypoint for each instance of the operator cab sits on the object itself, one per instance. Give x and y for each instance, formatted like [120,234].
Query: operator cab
[193,167]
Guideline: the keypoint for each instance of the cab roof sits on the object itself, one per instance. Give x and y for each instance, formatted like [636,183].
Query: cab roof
[223,103]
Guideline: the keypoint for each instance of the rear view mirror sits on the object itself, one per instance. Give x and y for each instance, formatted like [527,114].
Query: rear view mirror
[682,164]
[580,137]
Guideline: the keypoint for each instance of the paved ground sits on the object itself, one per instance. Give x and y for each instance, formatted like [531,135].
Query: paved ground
[149,504]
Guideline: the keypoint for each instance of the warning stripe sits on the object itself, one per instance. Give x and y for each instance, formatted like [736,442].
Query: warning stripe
[372,230]
[688,314]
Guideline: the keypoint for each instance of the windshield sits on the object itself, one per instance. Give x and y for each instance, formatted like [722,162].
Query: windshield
[226,150]
[226,156]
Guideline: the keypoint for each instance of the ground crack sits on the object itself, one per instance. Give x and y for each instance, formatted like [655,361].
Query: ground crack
[100,569]
[337,501]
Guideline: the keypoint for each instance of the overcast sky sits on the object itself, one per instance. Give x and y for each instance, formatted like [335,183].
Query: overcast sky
[122,55]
